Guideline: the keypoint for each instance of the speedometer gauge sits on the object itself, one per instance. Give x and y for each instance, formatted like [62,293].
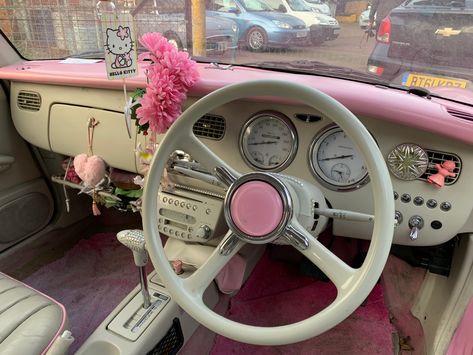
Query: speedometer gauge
[335,161]
[268,141]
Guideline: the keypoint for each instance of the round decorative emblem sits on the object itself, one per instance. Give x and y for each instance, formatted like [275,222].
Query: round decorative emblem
[408,161]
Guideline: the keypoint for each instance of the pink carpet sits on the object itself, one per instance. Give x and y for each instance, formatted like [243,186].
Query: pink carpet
[90,280]
[277,294]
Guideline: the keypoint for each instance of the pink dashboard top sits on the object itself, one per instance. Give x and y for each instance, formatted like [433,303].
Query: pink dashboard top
[363,100]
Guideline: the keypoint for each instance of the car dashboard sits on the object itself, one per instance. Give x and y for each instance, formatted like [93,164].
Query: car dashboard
[51,104]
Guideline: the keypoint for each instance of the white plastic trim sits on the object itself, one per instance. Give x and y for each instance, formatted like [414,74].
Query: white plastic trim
[355,286]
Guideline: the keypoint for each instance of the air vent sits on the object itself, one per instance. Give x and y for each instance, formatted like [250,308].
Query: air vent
[436,157]
[460,114]
[210,126]
[29,100]
[307,117]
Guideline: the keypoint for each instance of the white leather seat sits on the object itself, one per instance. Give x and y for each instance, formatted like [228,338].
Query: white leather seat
[29,321]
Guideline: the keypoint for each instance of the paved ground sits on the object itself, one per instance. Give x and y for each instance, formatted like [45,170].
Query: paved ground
[350,49]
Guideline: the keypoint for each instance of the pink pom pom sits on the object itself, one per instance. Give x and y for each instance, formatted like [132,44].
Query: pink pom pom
[90,169]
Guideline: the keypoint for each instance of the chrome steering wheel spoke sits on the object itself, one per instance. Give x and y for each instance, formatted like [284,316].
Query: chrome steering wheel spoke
[203,276]
[224,175]
[200,152]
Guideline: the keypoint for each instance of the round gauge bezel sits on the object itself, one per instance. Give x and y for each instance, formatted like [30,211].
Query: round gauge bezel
[317,171]
[245,133]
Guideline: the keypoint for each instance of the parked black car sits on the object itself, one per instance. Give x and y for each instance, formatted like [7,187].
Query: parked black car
[426,43]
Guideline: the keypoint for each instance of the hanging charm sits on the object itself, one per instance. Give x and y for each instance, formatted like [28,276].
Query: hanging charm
[120,47]
[89,167]
[118,31]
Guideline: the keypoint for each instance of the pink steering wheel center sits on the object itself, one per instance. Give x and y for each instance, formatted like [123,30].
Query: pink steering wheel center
[256,208]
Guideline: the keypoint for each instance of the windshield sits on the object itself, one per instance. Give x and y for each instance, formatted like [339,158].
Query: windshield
[416,43]
[297,5]
[255,5]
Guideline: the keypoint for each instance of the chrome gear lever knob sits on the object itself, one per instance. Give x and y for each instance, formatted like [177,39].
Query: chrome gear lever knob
[134,239]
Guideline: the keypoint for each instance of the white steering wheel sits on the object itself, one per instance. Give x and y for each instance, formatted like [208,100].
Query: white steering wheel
[353,285]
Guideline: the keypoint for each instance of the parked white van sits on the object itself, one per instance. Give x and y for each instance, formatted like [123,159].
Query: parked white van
[322,27]
[318,6]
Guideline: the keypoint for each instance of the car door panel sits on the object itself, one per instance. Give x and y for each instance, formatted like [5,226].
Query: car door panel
[26,204]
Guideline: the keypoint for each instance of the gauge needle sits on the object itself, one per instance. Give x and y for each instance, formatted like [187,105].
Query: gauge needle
[339,157]
[264,142]
[269,136]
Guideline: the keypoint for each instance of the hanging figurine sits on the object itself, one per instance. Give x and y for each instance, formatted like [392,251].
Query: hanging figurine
[445,169]
[89,167]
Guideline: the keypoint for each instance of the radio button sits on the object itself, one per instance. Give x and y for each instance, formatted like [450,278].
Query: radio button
[203,232]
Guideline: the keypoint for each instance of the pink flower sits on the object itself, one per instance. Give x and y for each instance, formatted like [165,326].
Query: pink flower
[170,76]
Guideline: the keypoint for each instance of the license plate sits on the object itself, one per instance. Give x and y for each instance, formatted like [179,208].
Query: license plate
[301,34]
[428,81]
[222,46]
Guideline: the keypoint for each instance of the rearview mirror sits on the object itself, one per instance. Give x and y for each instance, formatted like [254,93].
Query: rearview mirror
[282,8]
[234,10]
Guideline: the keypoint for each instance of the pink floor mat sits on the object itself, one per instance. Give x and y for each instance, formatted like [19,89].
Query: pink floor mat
[277,294]
[90,280]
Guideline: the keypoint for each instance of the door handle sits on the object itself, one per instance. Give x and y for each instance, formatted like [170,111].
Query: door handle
[5,162]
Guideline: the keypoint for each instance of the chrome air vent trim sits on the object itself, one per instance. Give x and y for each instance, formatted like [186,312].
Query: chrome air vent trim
[28,100]
[436,157]
[460,114]
[210,126]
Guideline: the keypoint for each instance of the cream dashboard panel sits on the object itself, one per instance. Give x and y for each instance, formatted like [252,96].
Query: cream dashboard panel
[388,135]
[60,124]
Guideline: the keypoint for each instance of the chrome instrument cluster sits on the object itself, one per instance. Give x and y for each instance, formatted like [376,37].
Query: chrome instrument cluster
[335,161]
[268,141]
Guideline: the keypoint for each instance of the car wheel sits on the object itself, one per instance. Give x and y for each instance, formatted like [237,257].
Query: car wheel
[256,39]
[174,40]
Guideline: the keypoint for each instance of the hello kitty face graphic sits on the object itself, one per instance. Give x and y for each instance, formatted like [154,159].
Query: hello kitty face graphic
[120,44]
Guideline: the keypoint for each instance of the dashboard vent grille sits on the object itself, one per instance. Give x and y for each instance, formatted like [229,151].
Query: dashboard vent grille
[29,100]
[436,157]
[210,126]
[307,117]
[460,114]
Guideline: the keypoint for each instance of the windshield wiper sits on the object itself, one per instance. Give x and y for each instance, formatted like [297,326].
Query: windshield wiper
[320,68]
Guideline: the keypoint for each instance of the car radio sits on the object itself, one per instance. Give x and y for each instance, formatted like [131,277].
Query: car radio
[190,215]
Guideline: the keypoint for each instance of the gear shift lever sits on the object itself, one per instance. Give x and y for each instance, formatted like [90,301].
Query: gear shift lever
[134,239]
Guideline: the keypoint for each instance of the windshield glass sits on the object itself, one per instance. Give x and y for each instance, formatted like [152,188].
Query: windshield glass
[415,43]
[298,5]
[255,5]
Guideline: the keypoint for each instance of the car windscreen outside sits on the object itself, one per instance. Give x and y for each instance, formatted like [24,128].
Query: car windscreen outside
[255,5]
[421,43]
[297,5]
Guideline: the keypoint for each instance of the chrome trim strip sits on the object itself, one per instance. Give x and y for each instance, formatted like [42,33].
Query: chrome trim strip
[296,238]
[224,175]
